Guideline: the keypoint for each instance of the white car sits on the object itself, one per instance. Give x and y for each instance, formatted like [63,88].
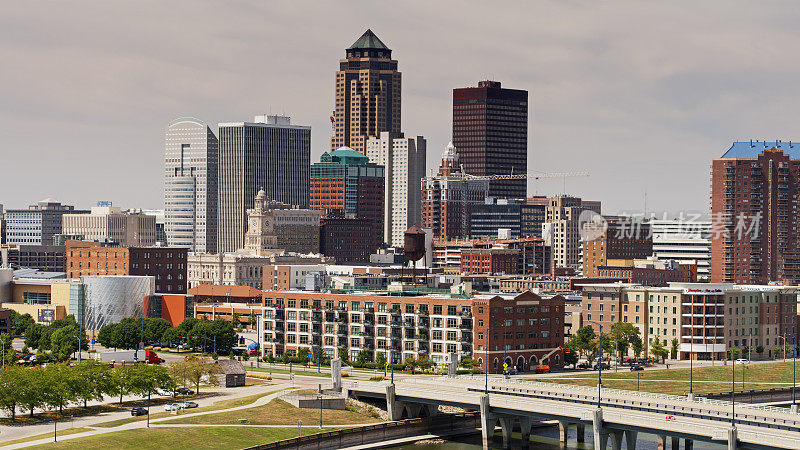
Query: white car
[742,361]
[173,406]
[186,405]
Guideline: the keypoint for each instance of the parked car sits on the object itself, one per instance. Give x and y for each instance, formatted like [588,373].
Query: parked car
[584,365]
[189,405]
[742,361]
[511,371]
[184,391]
[602,365]
[542,368]
[173,406]
[637,367]
[138,411]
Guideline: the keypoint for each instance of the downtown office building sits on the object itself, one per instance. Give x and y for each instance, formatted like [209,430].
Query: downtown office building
[270,154]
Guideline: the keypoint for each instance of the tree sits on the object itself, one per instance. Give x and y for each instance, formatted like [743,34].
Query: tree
[20,322]
[144,379]
[252,320]
[658,350]
[759,350]
[11,384]
[380,359]
[65,340]
[32,388]
[673,348]
[154,329]
[173,336]
[107,336]
[37,336]
[622,333]
[585,341]
[193,370]
[90,380]
[302,354]
[570,356]
[637,345]
[59,390]
[364,356]
[208,334]
[10,355]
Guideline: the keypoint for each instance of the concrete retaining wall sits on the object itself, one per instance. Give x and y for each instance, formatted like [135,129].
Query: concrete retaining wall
[379,432]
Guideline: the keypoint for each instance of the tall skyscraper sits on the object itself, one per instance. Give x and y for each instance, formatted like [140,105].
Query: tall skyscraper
[38,224]
[490,132]
[268,153]
[191,163]
[344,184]
[403,160]
[448,198]
[367,94]
[754,217]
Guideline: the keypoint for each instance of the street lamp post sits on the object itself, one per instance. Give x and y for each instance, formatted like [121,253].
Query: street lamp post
[794,361]
[599,360]
[638,377]
[486,352]
[733,390]
[148,409]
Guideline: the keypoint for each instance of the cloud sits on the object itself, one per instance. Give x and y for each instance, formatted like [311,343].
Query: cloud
[641,94]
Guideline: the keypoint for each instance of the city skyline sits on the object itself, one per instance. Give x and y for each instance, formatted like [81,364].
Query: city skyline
[659,108]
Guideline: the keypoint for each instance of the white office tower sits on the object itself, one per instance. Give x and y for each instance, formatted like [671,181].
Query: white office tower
[685,241]
[404,162]
[190,185]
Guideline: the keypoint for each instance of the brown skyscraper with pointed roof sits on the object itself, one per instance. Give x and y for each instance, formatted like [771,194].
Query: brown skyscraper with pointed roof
[367,94]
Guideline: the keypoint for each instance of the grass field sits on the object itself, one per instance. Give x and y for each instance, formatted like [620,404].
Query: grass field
[278,412]
[188,438]
[64,432]
[676,381]
[159,412]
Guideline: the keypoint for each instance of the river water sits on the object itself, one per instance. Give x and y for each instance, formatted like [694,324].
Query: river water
[546,438]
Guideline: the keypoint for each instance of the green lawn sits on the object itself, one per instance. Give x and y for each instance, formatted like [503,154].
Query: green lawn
[159,412]
[188,438]
[64,432]
[676,381]
[278,412]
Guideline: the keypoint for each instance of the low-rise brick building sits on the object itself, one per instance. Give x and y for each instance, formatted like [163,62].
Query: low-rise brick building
[167,264]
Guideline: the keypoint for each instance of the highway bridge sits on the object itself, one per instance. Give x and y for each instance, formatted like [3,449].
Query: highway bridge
[619,417]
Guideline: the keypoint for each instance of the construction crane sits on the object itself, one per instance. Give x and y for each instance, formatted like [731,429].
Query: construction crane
[533,175]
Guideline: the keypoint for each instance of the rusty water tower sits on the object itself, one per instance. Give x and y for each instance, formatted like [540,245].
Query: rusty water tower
[414,243]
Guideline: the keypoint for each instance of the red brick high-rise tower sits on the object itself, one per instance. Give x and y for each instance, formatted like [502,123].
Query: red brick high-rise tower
[754,200]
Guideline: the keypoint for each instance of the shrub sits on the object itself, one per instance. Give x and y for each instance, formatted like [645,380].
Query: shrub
[345,374]
[377,378]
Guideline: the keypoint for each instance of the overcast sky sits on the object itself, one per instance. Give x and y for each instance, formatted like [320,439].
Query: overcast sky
[641,94]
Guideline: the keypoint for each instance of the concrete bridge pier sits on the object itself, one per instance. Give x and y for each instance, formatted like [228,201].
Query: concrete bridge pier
[688,444]
[393,407]
[676,443]
[662,442]
[732,438]
[600,434]
[630,439]
[581,432]
[563,428]
[525,424]
[507,426]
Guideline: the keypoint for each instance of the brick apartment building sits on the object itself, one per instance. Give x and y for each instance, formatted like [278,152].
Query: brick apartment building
[533,255]
[167,264]
[650,272]
[619,239]
[348,240]
[525,329]
[754,187]
[489,260]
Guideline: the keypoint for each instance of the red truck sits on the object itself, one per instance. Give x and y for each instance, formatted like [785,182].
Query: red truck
[128,356]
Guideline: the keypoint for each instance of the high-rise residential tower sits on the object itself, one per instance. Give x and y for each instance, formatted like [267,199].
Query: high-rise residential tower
[490,132]
[190,185]
[403,160]
[268,153]
[367,94]
[754,216]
